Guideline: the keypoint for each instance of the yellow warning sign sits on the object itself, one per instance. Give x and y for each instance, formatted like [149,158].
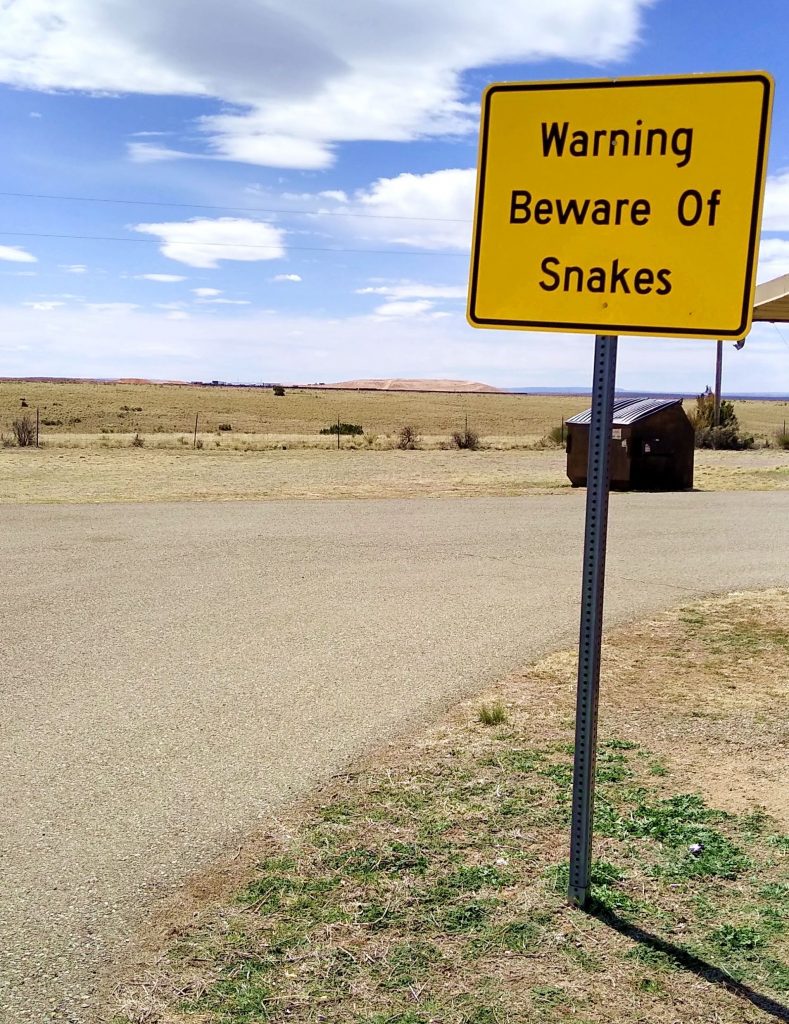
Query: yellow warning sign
[621,206]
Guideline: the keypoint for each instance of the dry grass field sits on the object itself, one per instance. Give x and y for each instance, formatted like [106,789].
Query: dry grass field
[428,883]
[89,408]
[164,412]
[91,474]
[134,442]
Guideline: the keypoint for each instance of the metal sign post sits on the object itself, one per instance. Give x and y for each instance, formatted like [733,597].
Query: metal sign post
[593,586]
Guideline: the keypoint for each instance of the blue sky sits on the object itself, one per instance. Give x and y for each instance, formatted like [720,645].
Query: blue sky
[289,186]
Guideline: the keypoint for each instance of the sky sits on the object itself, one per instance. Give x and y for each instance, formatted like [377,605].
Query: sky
[262,190]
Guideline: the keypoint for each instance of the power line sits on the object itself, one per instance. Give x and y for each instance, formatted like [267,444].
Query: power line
[235,209]
[780,333]
[231,245]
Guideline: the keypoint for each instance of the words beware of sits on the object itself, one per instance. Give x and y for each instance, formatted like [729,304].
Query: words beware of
[558,140]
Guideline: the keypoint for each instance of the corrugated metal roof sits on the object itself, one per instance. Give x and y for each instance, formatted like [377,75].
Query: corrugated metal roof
[630,410]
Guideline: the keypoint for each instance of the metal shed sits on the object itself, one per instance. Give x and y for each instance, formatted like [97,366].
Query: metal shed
[652,445]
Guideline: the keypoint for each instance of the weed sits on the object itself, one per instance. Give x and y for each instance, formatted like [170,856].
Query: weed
[781,438]
[199,443]
[137,441]
[654,958]
[616,745]
[548,995]
[224,427]
[492,714]
[657,767]
[733,939]
[467,916]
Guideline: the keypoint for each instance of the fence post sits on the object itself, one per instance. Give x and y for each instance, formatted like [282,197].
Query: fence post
[194,439]
[338,433]
[37,421]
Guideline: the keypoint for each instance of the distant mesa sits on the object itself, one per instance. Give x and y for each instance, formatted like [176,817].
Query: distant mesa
[399,384]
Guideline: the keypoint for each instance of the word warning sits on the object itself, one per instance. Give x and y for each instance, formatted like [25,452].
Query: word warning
[623,206]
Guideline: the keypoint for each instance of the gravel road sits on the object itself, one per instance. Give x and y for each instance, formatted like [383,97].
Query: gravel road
[171,673]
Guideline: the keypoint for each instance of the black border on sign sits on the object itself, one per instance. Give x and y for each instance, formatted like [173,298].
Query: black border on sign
[644,329]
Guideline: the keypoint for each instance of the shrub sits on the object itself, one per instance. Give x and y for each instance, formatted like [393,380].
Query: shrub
[23,403]
[343,428]
[370,439]
[225,426]
[466,438]
[782,439]
[137,441]
[51,423]
[24,431]
[279,391]
[199,443]
[727,434]
[728,438]
[408,439]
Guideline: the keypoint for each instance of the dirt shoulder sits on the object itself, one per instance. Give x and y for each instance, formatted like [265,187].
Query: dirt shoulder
[427,884]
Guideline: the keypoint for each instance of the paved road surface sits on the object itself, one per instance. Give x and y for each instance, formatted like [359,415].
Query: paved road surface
[171,672]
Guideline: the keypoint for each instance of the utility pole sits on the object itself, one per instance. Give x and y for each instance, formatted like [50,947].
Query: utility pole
[716,418]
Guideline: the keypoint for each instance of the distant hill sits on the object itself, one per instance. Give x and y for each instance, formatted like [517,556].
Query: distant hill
[744,396]
[400,384]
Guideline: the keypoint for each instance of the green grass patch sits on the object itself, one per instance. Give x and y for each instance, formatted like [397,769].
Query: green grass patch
[415,893]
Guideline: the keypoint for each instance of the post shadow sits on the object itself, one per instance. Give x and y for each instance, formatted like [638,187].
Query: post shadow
[709,972]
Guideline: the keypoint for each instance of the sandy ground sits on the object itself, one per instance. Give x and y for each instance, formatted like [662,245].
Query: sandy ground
[126,474]
[173,673]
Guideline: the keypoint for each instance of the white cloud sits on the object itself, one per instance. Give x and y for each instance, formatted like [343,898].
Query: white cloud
[224,302]
[14,254]
[422,211]
[44,307]
[302,77]
[776,203]
[148,153]
[773,258]
[417,308]
[206,293]
[414,290]
[177,314]
[35,113]
[203,243]
[287,277]
[163,278]
[73,268]
[111,307]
